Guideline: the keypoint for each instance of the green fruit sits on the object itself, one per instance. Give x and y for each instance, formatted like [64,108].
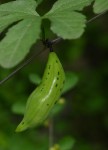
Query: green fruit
[45,96]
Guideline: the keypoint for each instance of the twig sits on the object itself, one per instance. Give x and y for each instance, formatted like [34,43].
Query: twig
[97,16]
[51,133]
[20,67]
[55,41]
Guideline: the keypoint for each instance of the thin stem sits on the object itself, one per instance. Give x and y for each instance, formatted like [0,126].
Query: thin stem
[51,133]
[20,67]
[97,16]
[57,40]
[43,33]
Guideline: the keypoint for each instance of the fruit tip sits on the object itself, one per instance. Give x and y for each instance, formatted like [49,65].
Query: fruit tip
[21,127]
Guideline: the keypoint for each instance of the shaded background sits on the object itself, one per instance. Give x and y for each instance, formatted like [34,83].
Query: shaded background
[82,123]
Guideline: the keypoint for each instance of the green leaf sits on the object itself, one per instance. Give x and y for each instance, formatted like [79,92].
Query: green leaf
[68,25]
[20,37]
[20,7]
[39,1]
[65,21]
[67,143]
[15,46]
[16,10]
[18,107]
[58,107]
[71,81]
[35,78]
[100,6]
[66,5]
[9,19]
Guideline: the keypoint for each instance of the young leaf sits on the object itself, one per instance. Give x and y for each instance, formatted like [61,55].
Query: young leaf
[100,6]
[18,107]
[67,143]
[35,78]
[20,37]
[58,107]
[65,21]
[71,81]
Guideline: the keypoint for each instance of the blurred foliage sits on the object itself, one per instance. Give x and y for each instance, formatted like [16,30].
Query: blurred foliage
[80,118]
